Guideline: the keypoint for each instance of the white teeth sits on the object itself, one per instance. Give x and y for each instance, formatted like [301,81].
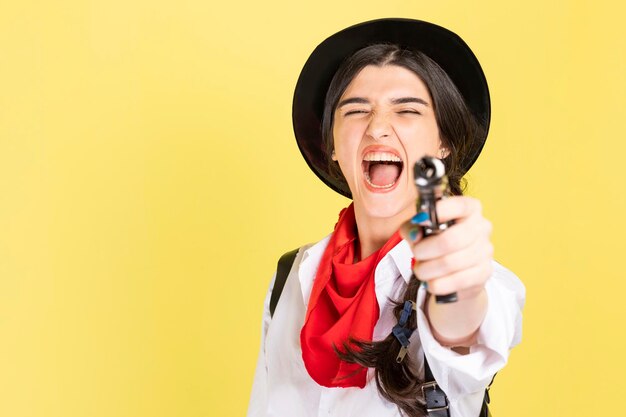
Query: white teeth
[381,156]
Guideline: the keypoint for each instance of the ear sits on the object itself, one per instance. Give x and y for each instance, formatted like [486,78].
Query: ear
[333,156]
[443,152]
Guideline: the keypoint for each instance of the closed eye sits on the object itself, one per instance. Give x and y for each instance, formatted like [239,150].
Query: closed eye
[354,112]
[409,112]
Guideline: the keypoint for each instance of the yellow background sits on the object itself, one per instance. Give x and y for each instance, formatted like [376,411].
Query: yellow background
[149,180]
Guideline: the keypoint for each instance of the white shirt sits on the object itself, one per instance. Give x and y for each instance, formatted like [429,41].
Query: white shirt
[283,388]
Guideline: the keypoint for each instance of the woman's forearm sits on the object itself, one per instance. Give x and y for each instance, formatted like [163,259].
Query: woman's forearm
[456,324]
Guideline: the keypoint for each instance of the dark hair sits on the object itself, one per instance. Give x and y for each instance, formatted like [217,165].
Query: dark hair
[458,129]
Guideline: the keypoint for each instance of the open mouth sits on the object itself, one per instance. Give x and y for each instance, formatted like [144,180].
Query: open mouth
[381,169]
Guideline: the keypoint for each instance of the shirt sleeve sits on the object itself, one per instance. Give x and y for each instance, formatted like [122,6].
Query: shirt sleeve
[501,330]
[258,398]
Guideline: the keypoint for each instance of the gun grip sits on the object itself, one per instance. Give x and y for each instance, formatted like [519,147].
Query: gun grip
[446,299]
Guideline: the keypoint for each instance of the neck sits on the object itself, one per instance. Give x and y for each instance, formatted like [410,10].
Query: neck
[374,232]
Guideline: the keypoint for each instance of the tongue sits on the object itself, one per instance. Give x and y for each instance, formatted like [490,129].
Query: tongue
[383,174]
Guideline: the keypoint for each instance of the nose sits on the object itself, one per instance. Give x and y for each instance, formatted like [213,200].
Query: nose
[379,127]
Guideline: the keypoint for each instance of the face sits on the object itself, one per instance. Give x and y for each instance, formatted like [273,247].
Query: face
[383,124]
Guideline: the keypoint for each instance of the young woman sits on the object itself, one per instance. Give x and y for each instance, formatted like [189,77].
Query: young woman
[354,333]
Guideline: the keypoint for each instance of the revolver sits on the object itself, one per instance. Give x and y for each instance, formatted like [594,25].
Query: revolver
[432,185]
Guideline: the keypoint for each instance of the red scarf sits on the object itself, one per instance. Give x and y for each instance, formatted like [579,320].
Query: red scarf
[342,305]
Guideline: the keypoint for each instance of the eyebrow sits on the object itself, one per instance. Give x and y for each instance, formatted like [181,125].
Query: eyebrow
[351,100]
[401,100]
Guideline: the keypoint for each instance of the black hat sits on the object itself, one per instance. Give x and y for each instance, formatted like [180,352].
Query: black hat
[444,47]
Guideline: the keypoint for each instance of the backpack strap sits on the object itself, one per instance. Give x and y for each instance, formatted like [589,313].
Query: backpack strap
[282,272]
[437,404]
[484,411]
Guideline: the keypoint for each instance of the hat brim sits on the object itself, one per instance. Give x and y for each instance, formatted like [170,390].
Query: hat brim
[444,47]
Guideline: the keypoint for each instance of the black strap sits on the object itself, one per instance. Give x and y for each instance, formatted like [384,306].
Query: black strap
[282,272]
[484,411]
[437,402]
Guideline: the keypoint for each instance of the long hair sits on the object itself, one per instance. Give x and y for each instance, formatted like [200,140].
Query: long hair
[458,129]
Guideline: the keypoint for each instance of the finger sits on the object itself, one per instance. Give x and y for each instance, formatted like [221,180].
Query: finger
[411,230]
[411,233]
[457,237]
[479,251]
[457,208]
[474,276]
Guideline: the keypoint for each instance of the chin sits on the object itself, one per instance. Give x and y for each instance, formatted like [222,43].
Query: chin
[387,205]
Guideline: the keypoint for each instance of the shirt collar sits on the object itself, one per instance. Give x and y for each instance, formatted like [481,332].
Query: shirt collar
[400,255]
[308,266]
